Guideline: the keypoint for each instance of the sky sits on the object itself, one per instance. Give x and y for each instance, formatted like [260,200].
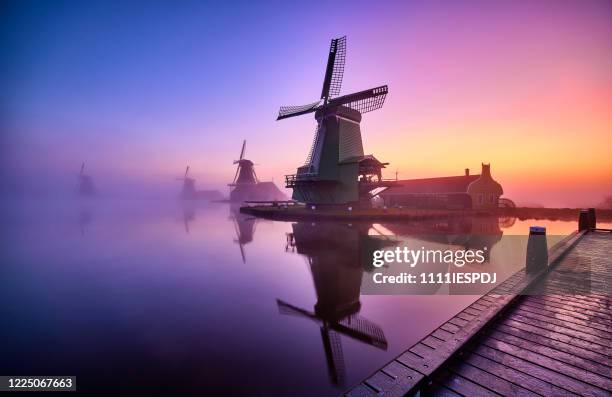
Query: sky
[139,90]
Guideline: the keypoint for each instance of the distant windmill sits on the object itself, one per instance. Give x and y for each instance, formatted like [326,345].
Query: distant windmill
[336,155]
[85,183]
[188,191]
[245,171]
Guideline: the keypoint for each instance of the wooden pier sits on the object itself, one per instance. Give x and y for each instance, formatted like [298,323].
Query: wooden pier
[544,334]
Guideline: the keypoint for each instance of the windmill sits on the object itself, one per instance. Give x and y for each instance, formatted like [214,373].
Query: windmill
[336,158]
[85,183]
[245,172]
[188,191]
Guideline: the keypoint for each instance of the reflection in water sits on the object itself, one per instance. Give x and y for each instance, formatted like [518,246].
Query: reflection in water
[244,225]
[188,216]
[84,219]
[141,302]
[465,232]
[334,253]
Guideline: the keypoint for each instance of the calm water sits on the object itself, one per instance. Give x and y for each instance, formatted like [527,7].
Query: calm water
[157,296]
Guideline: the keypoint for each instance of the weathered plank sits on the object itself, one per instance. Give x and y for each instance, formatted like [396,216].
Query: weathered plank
[575,351]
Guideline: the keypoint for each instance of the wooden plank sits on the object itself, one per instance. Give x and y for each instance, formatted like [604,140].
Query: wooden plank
[578,374]
[437,390]
[565,357]
[465,386]
[548,333]
[603,336]
[459,322]
[442,334]
[517,377]
[539,372]
[432,342]
[551,299]
[569,299]
[380,381]
[450,328]
[361,390]
[563,330]
[567,318]
[556,344]
[492,382]
[471,310]
[581,314]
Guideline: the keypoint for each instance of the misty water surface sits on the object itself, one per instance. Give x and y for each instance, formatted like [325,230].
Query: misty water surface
[144,296]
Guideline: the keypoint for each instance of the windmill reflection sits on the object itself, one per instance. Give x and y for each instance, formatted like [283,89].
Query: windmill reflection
[84,219]
[244,225]
[188,216]
[466,232]
[334,252]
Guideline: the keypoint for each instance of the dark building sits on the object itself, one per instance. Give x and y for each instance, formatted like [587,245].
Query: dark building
[464,191]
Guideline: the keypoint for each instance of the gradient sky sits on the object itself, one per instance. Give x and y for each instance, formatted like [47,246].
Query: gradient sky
[140,89]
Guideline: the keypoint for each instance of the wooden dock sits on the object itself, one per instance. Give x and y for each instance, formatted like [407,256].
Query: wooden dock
[515,341]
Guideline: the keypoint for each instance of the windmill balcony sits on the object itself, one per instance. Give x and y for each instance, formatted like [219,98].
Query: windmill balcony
[290,180]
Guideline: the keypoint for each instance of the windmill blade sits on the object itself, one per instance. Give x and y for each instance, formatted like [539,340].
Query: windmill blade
[335,68]
[186,171]
[82,168]
[292,111]
[237,170]
[334,356]
[363,330]
[243,149]
[235,222]
[288,309]
[363,101]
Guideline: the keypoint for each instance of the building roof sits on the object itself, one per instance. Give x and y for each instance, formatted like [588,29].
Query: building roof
[359,159]
[447,184]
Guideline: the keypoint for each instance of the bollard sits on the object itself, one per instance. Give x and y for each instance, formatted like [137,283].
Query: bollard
[583,220]
[592,219]
[537,250]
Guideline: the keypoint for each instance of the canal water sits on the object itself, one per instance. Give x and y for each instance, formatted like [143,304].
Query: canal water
[158,296]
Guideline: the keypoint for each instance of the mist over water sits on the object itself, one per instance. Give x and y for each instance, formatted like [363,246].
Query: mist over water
[167,295]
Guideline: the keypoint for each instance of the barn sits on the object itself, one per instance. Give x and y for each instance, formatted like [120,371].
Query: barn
[452,192]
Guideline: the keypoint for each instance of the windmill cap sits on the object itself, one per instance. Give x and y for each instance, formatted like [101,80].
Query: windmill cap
[537,230]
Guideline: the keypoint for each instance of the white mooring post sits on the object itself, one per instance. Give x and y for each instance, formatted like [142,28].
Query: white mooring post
[537,250]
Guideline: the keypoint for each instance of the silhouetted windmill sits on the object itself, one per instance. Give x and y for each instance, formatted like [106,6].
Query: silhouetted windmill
[188,191]
[336,157]
[245,171]
[85,184]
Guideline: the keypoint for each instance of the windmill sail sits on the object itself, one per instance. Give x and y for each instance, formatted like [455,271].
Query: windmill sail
[363,101]
[335,68]
[292,111]
[243,149]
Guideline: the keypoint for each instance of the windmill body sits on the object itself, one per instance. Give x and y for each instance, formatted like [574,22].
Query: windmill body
[247,187]
[336,170]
